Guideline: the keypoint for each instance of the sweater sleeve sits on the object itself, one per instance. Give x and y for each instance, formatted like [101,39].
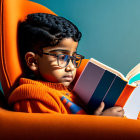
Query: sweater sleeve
[36,99]
[35,106]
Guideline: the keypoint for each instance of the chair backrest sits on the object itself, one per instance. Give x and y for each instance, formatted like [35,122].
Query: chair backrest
[11,13]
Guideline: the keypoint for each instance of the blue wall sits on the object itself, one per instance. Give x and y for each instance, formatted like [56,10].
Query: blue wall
[111,29]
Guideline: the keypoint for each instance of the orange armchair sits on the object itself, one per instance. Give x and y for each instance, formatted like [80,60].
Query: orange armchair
[17,125]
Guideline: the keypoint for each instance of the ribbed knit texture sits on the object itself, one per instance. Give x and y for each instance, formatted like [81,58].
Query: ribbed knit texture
[36,96]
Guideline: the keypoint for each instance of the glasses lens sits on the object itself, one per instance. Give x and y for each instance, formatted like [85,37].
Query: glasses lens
[63,60]
[77,60]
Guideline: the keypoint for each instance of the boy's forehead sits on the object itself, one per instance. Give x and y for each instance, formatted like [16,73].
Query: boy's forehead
[59,49]
[67,45]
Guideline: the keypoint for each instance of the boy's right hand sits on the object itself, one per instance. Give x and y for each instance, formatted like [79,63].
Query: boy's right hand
[113,111]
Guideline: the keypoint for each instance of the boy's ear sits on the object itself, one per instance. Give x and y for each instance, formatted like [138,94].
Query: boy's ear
[31,61]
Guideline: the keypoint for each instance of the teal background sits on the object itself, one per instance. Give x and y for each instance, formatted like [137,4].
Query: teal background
[110,28]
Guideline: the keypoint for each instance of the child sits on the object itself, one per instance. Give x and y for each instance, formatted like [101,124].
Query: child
[48,49]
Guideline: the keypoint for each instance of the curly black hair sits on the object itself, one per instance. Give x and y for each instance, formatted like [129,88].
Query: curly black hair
[41,30]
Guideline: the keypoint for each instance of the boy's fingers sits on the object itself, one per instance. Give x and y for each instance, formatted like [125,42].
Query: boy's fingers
[99,109]
[120,111]
[120,114]
[118,108]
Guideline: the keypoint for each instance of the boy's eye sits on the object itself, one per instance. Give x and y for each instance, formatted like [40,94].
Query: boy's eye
[63,57]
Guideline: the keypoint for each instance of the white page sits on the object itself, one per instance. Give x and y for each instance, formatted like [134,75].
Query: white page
[132,106]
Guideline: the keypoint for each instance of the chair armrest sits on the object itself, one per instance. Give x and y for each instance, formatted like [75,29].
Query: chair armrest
[16,125]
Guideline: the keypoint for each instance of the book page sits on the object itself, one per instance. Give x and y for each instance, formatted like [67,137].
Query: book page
[135,79]
[108,68]
[133,72]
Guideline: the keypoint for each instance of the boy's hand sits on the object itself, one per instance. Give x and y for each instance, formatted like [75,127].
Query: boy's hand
[113,111]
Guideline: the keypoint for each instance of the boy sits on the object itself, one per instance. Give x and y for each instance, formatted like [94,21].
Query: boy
[48,49]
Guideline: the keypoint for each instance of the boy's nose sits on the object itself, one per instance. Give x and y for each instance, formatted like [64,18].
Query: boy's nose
[70,66]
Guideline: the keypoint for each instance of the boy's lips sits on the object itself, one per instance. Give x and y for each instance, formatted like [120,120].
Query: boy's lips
[68,78]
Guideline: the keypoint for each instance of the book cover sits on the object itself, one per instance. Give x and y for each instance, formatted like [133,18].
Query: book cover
[132,106]
[98,82]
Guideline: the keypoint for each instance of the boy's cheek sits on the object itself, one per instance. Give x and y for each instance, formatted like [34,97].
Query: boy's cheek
[74,73]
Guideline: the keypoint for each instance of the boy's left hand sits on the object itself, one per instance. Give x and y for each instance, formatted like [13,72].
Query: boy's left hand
[113,111]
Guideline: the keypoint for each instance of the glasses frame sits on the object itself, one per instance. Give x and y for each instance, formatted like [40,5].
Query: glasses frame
[72,58]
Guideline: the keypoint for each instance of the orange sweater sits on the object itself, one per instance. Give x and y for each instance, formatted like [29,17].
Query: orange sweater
[36,96]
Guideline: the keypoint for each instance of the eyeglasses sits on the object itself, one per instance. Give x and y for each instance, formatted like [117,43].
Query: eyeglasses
[64,59]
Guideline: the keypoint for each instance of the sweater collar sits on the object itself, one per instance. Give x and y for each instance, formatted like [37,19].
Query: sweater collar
[58,86]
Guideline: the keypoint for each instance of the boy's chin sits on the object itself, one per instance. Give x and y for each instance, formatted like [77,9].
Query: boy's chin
[66,84]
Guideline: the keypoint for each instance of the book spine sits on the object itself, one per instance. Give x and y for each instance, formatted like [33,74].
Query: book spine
[124,95]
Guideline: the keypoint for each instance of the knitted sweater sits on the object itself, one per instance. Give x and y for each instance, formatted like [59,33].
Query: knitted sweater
[36,96]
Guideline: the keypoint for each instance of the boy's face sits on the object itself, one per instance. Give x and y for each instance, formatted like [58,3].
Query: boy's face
[48,66]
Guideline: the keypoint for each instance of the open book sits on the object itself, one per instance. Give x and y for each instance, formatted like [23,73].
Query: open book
[99,82]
